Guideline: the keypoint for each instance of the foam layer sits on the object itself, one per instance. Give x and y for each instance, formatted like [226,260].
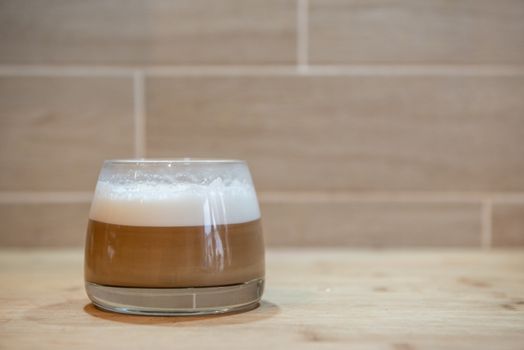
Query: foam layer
[174,205]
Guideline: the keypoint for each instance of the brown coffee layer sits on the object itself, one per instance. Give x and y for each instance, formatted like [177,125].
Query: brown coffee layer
[162,257]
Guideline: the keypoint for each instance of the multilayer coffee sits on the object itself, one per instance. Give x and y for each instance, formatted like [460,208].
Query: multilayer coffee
[156,235]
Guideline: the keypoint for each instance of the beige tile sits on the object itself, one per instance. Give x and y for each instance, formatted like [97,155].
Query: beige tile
[351,133]
[41,225]
[410,31]
[508,224]
[285,224]
[148,32]
[371,224]
[55,132]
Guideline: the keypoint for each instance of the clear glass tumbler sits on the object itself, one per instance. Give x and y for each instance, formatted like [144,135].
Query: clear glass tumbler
[175,237]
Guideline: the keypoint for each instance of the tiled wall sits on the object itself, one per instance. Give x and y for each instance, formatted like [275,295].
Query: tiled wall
[365,123]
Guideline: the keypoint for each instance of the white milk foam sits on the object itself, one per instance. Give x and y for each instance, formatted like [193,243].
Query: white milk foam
[174,204]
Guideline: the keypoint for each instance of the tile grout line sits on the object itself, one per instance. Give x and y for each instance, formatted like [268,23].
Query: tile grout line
[269,70]
[485,200]
[45,197]
[302,36]
[486,237]
[435,197]
[66,71]
[329,71]
[417,70]
[139,113]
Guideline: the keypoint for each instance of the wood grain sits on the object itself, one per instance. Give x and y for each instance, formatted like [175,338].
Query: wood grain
[122,32]
[414,32]
[329,299]
[382,133]
[55,132]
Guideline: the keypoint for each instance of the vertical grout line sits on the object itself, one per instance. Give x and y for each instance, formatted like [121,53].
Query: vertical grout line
[139,114]
[486,226]
[302,36]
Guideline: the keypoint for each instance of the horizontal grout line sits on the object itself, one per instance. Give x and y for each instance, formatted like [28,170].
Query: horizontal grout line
[297,197]
[415,197]
[45,197]
[74,71]
[269,70]
[349,70]
[417,70]
[223,71]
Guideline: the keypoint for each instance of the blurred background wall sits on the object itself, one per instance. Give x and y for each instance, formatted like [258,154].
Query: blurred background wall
[365,123]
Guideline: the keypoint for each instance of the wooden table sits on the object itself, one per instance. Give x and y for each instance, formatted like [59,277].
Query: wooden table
[315,299]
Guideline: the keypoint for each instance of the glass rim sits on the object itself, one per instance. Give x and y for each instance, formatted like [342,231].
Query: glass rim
[153,161]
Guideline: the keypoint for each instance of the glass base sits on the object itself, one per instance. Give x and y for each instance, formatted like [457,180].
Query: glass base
[176,301]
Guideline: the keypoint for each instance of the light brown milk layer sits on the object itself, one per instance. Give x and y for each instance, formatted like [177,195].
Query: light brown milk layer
[164,257]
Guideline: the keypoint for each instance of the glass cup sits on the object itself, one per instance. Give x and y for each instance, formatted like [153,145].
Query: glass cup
[176,237]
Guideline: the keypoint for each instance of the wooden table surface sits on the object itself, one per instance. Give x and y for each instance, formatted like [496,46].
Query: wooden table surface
[314,299]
